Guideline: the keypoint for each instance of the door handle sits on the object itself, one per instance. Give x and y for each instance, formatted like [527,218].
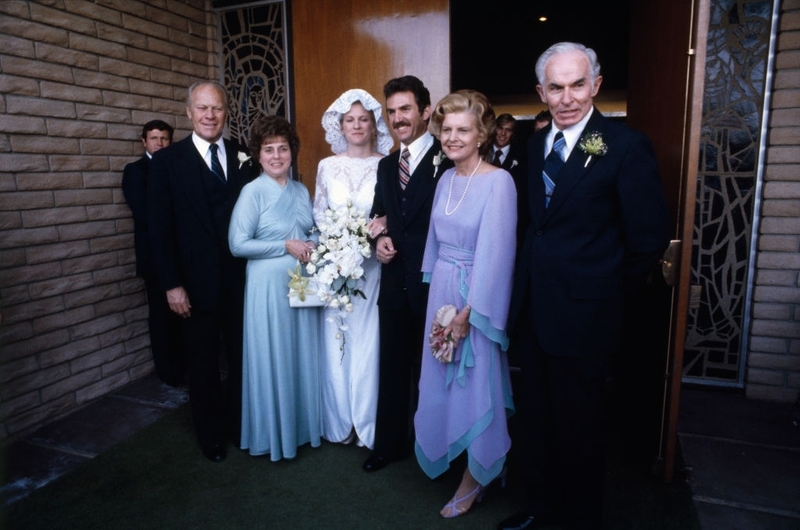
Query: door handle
[669,263]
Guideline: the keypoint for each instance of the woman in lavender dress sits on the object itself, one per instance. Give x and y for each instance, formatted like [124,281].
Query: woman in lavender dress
[469,257]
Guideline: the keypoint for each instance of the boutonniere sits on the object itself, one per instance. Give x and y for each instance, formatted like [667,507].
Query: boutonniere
[243,157]
[593,145]
[514,164]
[437,161]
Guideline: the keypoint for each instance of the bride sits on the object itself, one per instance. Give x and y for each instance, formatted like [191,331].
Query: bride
[359,137]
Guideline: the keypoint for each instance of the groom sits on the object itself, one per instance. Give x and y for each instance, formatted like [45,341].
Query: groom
[404,194]
[597,225]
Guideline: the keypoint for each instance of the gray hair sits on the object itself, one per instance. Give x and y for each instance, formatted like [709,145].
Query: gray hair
[563,47]
[219,88]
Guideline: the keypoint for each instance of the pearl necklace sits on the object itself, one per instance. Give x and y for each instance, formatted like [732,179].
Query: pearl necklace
[450,193]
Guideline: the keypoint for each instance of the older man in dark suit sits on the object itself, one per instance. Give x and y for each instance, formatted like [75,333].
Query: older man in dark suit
[165,334]
[404,194]
[193,187]
[597,226]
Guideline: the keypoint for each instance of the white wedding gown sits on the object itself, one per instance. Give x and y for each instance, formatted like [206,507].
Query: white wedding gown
[349,376]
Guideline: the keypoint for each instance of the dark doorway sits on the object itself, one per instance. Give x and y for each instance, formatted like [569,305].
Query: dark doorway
[494,48]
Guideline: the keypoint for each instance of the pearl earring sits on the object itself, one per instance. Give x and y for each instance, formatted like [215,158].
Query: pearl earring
[479,144]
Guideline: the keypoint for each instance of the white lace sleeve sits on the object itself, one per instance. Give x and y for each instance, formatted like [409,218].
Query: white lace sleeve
[320,194]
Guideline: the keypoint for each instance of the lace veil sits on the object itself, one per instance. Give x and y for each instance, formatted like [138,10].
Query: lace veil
[332,118]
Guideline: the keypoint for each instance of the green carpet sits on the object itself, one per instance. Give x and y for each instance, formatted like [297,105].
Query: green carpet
[158,479]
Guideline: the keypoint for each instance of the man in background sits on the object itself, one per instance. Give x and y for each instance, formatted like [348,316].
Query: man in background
[164,325]
[506,153]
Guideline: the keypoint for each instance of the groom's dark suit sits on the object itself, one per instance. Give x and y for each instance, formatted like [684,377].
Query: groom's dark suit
[403,296]
[604,230]
[192,208]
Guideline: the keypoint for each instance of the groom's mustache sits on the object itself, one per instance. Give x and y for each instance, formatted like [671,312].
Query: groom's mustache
[399,124]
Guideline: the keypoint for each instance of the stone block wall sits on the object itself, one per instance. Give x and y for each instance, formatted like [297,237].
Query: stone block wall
[78,78]
[774,355]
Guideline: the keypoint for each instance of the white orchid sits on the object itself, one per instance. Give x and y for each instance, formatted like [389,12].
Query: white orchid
[336,263]
[243,158]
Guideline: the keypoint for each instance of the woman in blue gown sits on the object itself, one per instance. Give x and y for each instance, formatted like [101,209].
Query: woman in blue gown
[271,226]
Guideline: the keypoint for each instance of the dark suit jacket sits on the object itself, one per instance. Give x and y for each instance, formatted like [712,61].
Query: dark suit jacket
[516,164]
[402,276]
[605,229]
[192,211]
[134,187]
[515,160]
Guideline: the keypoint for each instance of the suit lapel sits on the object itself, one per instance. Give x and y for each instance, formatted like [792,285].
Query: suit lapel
[392,161]
[423,181]
[535,184]
[190,170]
[510,157]
[575,168]
[232,159]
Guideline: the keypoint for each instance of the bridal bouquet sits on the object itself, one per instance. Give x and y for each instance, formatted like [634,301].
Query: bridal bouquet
[336,263]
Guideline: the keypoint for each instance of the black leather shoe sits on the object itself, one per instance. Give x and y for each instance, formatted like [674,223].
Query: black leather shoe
[375,463]
[520,521]
[215,453]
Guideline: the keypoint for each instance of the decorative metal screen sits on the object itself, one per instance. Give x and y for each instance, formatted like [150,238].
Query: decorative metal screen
[253,63]
[736,62]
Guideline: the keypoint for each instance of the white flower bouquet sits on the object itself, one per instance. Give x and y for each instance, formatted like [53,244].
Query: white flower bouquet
[336,263]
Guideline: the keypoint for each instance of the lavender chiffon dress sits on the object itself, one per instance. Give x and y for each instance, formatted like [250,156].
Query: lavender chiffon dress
[469,259]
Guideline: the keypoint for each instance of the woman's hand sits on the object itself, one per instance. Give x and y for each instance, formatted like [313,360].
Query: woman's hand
[459,326]
[300,249]
[376,226]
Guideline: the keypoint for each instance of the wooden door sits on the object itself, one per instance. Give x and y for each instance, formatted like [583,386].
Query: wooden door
[665,93]
[360,44]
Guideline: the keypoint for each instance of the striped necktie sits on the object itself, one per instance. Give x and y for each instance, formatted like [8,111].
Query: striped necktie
[552,165]
[216,167]
[404,175]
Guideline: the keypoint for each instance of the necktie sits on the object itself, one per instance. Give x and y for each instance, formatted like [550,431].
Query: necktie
[216,167]
[552,165]
[404,174]
[496,160]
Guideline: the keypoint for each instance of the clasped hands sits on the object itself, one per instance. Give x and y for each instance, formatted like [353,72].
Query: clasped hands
[384,246]
[300,249]
[376,227]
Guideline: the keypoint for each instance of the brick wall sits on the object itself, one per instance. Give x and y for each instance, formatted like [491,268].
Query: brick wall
[774,354]
[78,79]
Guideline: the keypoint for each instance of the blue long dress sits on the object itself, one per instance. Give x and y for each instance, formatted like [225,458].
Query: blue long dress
[469,259]
[281,398]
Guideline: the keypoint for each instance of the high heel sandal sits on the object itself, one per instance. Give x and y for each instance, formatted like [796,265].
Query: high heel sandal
[472,496]
[478,493]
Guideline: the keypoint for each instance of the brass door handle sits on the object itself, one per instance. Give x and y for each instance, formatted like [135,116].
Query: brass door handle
[669,263]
